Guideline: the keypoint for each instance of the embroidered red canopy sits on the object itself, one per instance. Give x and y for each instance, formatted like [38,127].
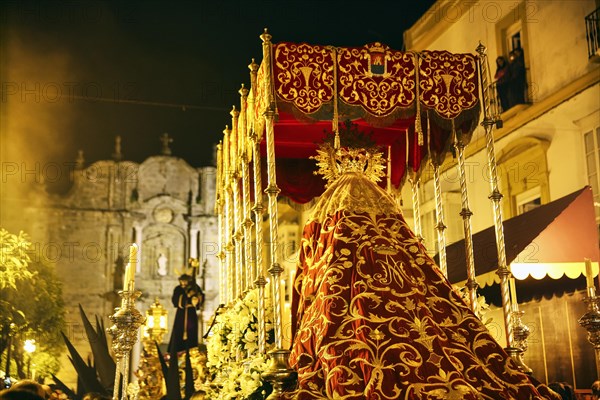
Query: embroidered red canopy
[380,89]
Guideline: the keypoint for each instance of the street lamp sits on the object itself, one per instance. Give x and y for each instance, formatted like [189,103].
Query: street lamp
[7,382]
[156,322]
[150,367]
[29,347]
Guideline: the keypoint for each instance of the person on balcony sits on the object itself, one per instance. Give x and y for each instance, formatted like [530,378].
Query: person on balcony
[502,80]
[517,77]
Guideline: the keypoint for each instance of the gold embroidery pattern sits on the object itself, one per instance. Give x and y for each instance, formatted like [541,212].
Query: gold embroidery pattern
[378,94]
[386,325]
[448,82]
[303,75]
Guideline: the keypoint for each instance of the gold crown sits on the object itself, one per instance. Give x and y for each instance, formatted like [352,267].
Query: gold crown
[334,163]
[184,271]
[376,47]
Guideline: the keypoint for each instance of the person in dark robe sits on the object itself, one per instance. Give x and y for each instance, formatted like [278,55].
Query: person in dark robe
[502,79]
[373,316]
[517,78]
[187,298]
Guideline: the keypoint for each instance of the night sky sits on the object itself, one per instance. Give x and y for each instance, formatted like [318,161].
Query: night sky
[75,74]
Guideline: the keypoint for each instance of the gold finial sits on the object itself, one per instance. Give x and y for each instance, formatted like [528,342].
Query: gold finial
[480,49]
[243,91]
[234,112]
[253,66]
[266,36]
[333,163]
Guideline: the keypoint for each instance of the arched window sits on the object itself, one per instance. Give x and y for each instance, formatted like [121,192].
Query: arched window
[523,172]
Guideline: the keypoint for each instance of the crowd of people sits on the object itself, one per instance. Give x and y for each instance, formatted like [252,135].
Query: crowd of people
[27,389]
[31,390]
[510,79]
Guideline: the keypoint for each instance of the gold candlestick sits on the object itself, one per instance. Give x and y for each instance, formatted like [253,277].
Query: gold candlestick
[591,322]
[520,334]
[279,373]
[126,322]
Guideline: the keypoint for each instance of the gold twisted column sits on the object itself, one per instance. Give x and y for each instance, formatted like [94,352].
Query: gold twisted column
[503,271]
[279,374]
[260,280]
[229,248]
[250,265]
[126,322]
[219,210]
[258,209]
[466,216]
[238,224]
[414,187]
[439,218]
[272,191]
[237,240]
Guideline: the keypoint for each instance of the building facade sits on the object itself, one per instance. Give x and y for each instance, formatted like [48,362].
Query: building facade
[546,148]
[162,204]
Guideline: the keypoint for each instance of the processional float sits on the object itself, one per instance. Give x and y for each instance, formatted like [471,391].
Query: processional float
[419,106]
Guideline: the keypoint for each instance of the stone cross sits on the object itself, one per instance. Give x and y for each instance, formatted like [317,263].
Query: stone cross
[117,156]
[165,140]
[80,160]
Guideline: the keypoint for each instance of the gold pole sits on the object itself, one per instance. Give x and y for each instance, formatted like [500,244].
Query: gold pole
[279,373]
[495,196]
[439,218]
[229,248]
[466,216]
[490,119]
[389,171]
[272,191]
[221,221]
[414,186]
[439,211]
[245,159]
[258,209]
[237,208]
[413,179]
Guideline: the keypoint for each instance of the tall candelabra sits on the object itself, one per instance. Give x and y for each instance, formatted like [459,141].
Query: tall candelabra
[520,334]
[126,322]
[591,319]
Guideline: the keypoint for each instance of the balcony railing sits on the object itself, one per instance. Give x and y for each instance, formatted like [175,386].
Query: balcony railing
[592,29]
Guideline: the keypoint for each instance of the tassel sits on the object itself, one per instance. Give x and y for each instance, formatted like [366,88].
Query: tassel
[418,127]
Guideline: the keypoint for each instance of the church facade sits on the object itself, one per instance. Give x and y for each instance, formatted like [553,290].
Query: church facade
[163,204]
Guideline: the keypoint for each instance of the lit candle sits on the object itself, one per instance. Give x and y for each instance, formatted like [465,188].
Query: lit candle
[589,277]
[130,268]
[126,277]
[513,292]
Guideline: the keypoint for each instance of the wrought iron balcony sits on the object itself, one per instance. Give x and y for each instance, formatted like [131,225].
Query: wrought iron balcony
[592,29]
